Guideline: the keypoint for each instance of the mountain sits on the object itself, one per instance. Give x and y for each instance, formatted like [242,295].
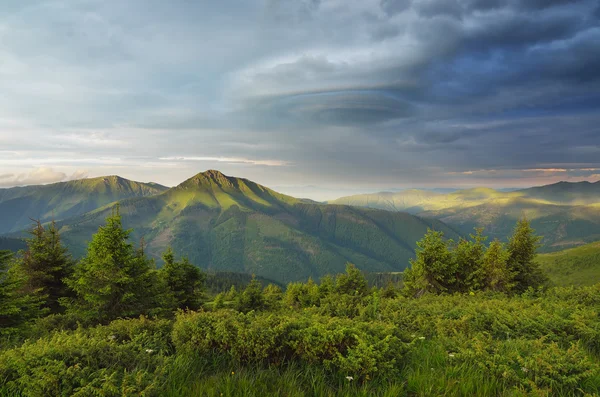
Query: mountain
[62,200]
[12,244]
[565,214]
[575,266]
[231,224]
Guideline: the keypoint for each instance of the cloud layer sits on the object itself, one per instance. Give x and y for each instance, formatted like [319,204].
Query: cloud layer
[367,93]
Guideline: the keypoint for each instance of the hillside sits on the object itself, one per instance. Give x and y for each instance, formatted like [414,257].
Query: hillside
[566,214]
[65,199]
[231,224]
[12,244]
[576,266]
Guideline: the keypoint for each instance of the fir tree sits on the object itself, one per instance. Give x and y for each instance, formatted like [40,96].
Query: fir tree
[496,275]
[353,282]
[522,249]
[16,306]
[251,298]
[112,281]
[468,256]
[184,280]
[434,270]
[46,264]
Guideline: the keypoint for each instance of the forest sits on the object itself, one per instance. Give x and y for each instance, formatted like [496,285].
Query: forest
[470,317]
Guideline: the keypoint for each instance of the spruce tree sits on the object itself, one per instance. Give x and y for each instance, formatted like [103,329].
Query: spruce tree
[251,298]
[353,282]
[16,306]
[468,256]
[522,249]
[46,264]
[111,281]
[184,281]
[434,269]
[496,274]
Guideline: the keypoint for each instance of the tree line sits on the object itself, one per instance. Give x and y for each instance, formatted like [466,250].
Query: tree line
[116,280]
[113,280]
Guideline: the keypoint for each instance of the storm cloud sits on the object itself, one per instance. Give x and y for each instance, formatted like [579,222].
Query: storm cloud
[371,94]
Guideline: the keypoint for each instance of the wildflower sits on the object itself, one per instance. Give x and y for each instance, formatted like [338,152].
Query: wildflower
[149,351]
[350,378]
[232,373]
[524,369]
[451,355]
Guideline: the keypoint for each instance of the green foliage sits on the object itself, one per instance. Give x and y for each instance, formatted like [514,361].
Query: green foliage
[251,298]
[468,256]
[46,264]
[184,280]
[17,308]
[351,283]
[575,266]
[125,358]
[495,271]
[113,280]
[434,269]
[522,249]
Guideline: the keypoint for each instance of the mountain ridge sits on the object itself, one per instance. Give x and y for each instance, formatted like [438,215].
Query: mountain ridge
[565,213]
[61,200]
[224,223]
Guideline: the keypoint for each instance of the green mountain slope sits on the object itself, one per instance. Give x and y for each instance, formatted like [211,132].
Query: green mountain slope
[12,244]
[65,199]
[566,214]
[230,224]
[575,266]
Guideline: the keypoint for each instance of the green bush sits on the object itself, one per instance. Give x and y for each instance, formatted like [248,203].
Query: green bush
[125,358]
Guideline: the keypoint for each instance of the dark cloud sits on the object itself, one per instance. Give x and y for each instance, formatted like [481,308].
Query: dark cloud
[405,90]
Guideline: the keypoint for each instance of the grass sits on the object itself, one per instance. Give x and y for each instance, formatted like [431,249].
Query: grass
[575,266]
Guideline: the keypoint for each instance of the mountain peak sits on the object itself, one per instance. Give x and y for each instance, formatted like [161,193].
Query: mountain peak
[210,178]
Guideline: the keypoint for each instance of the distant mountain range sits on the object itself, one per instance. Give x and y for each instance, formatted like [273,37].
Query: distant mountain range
[231,224]
[566,214]
[18,205]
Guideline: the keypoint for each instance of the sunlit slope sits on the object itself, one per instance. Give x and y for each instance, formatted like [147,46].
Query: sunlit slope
[232,224]
[575,266]
[66,199]
[565,214]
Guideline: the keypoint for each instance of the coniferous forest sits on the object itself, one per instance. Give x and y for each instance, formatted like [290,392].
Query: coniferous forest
[470,317]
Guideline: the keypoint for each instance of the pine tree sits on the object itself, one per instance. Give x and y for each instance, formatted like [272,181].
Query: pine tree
[184,280]
[496,275]
[273,296]
[252,298]
[434,270]
[522,249]
[16,306]
[112,281]
[468,256]
[353,282]
[46,264]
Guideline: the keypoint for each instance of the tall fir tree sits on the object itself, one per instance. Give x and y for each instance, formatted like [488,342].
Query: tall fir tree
[184,281]
[17,307]
[468,257]
[46,264]
[522,248]
[112,280]
[496,274]
[434,269]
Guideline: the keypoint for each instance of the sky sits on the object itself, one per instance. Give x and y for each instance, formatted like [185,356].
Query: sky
[314,97]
